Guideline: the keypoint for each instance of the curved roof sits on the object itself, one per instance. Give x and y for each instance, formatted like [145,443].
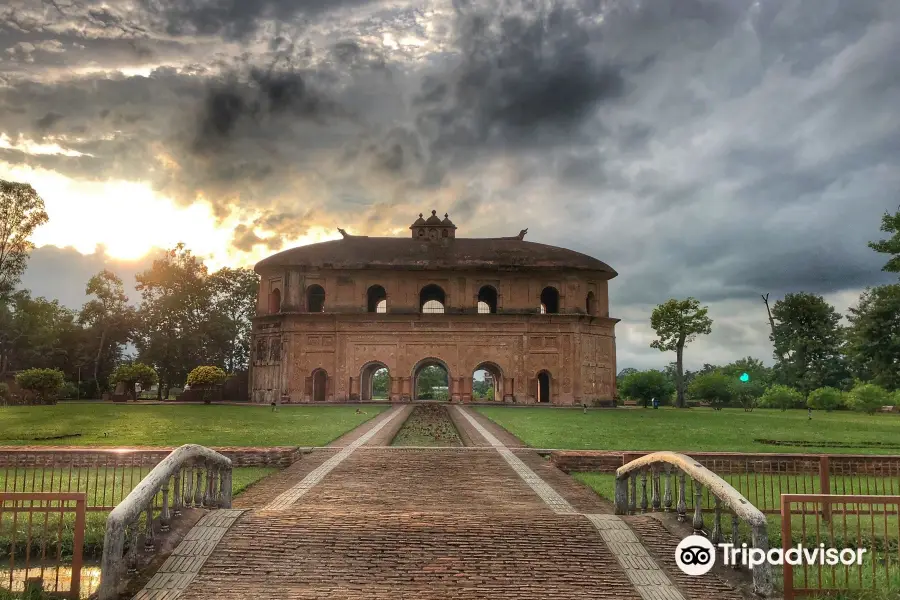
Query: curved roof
[362,252]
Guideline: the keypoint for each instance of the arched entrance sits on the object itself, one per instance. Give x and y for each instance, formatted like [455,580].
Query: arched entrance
[375,382]
[319,385]
[431,380]
[543,387]
[487,383]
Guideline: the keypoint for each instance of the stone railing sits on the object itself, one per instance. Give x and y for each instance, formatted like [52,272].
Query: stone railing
[196,477]
[661,468]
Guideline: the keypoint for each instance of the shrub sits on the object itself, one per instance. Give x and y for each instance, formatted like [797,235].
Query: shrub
[133,373]
[746,394]
[44,384]
[204,378]
[781,396]
[825,398]
[4,392]
[868,397]
[715,388]
[646,385]
[69,391]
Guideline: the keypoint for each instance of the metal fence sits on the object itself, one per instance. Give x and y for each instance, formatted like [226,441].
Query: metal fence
[844,522]
[43,536]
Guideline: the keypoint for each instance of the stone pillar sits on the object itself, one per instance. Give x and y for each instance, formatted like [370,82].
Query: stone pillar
[355,395]
[455,387]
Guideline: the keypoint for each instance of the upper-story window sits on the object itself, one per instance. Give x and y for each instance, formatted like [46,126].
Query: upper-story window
[315,298]
[432,299]
[376,298]
[487,300]
[275,301]
[549,300]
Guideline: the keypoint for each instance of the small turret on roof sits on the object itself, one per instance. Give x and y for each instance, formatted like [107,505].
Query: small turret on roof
[433,228]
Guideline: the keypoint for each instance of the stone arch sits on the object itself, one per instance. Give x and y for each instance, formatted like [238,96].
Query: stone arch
[376,299]
[432,299]
[367,379]
[275,301]
[590,304]
[315,298]
[487,299]
[320,384]
[426,362]
[496,374]
[549,300]
[543,387]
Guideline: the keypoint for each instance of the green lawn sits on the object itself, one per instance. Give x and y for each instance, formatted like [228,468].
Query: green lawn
[699,429]
[99,424]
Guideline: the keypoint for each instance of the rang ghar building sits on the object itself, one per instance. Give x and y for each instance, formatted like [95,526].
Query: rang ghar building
[534,318]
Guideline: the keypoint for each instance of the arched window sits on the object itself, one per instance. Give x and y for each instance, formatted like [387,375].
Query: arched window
[543,387]
[549,300]
[376,299]
[319,385]
[487,300]
[590,304]
[432,299]
[275,301]
[315,298]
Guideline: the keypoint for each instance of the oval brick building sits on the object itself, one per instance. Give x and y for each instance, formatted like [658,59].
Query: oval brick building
[534,317]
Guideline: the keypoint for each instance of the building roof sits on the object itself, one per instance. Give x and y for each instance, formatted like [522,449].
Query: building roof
[503,254]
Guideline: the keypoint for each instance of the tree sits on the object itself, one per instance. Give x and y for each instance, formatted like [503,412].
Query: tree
[646,385]
[868,398]
[890,224]
[131,374]
[21,212]
[381,384]
[109,318]
[825,398]
[781,396]
[430,377]
[808,343]
[234,294]
[623,374]
[677,323]
[43,383]
[874,336]
[716,388]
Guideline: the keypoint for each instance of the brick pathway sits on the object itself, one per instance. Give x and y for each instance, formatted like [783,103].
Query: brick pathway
[481,522]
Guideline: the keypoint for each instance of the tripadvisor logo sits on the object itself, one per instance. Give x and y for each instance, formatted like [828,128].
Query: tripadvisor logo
[696,555]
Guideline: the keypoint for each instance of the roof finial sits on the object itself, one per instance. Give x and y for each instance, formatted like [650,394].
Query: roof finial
[446,215]
[343,233]
[433,213]
[420,215]
[522,233]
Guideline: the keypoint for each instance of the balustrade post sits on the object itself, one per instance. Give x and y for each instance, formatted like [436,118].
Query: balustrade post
[132,560]
[198,488]
[655,497]
[622,495]
[210,482]
[667,495]
[188,497]
[176,493]
[643,490]
[681,507]
[735,538]
[225,495]
[716,536]
[632,503]
[164,515]
[762,574]
[149,545]
[698,508]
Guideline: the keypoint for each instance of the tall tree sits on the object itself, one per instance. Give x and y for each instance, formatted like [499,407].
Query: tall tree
[874,336]
[21,212]
[109,319]
[677,323]
[890,223]
[808,343]
[233,305]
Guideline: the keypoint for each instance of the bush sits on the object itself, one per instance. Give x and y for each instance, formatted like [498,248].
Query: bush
[44,384]
[4,392]
[133,373]
[715,388]
[825,398]
[868,398]
[69,391]
[781,396]
[646,385]
[204,378]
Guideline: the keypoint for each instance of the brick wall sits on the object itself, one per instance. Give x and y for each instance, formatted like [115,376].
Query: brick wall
[42,456]
[607,461]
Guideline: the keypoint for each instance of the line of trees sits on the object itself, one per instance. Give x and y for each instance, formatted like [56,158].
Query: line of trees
[818,360]
[186,317]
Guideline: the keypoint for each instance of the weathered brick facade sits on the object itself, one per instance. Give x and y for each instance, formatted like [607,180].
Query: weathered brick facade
[535,317]
[43,457]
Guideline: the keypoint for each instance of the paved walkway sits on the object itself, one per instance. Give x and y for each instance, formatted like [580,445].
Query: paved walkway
[481,522]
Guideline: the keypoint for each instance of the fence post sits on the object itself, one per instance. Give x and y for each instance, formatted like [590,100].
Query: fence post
[78,547]
[786,543]
[825,485]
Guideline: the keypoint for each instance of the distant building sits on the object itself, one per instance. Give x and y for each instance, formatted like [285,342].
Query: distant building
[535,317]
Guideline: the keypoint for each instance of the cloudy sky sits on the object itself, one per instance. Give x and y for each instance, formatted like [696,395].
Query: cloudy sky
[714,148]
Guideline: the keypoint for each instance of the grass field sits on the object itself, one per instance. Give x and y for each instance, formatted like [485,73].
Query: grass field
[95,424]
[699,429]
